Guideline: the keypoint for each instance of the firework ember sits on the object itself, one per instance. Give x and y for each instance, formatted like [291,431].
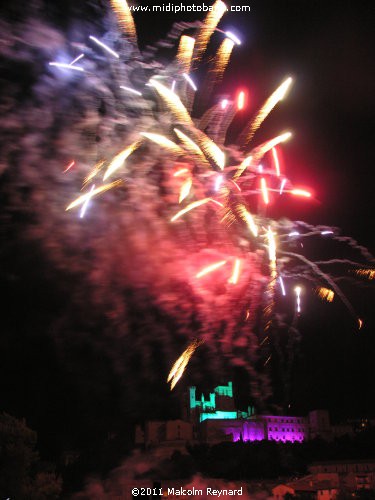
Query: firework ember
[193,205]
[185,189]
[282,286]
[66,66]
[241,100]
[276,160]
[103,46]
[211,268]
[71,164]
[326,294]
[298,298]
[236,272]
[366,273]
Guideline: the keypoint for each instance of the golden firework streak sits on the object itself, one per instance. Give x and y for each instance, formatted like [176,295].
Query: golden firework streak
[81,199]
[222,58]
[208,27]
[125,18]
[119,159]
[185,52]
[179,366]
[173,102]
[267,107]
[161,140]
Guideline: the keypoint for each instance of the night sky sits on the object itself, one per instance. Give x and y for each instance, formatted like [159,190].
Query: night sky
[327,48]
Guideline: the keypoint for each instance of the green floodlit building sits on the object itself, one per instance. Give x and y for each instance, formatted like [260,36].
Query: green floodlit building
[222,398]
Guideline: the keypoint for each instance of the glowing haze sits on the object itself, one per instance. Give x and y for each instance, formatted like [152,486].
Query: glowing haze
[167,253]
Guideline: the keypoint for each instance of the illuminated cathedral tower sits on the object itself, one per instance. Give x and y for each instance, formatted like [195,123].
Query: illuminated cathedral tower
[218,406]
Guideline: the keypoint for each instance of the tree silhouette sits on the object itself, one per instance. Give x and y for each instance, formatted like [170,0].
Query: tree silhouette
[21,472]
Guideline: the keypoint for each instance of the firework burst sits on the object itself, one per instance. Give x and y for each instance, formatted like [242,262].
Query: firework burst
[241,178]
[187,224]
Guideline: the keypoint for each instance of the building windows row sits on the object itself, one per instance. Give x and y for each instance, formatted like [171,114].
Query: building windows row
[287,429]
[286,420]
[283,438]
